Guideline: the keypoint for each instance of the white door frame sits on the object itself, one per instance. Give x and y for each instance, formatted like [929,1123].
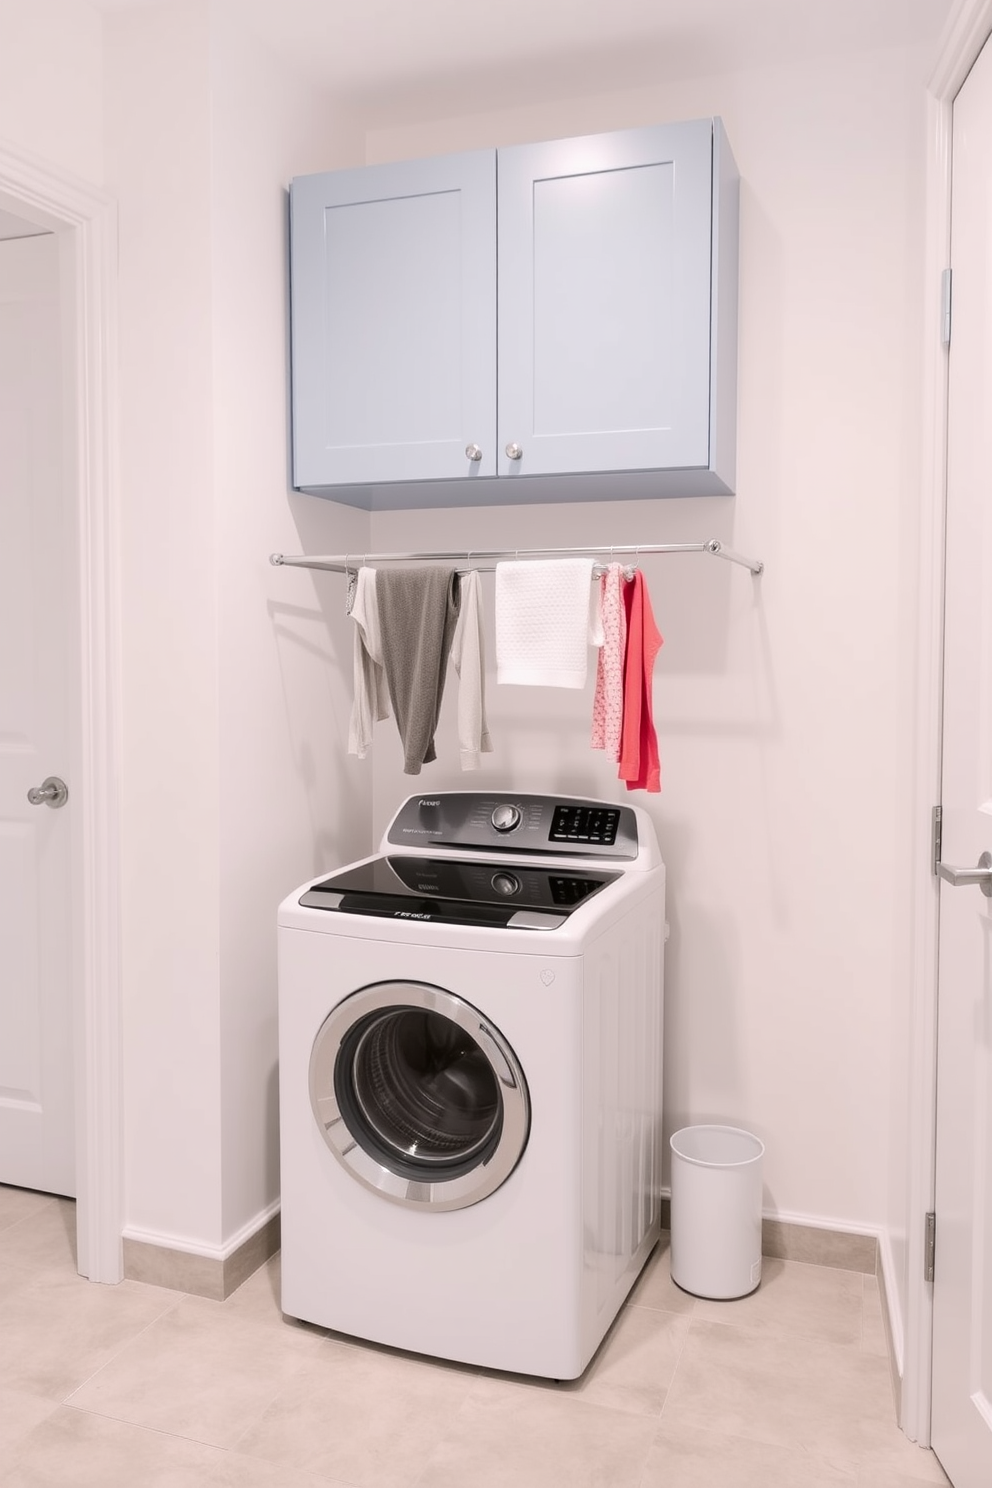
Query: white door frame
[968,28]
[87,220]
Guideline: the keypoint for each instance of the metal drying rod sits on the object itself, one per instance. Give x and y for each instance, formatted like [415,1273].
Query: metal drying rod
[348,562]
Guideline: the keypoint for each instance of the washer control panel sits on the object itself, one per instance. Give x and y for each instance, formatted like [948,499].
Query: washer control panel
[596,825]
[558,825]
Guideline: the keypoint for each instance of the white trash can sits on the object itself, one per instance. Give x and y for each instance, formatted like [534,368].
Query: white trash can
[716,1211]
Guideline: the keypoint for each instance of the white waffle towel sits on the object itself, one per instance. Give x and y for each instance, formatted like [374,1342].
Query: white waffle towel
[546,619]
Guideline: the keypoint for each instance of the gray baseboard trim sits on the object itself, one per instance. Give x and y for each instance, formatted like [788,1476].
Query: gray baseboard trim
[215,1278]
[838,1248]
[201,1276]
[788,1241]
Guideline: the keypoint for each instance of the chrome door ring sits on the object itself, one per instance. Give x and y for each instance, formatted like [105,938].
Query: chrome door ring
[427,1191]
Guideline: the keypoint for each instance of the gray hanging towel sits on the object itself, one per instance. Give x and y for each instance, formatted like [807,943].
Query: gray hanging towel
[418,611]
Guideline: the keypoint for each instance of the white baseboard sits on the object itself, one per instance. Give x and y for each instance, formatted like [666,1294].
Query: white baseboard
[187,1246]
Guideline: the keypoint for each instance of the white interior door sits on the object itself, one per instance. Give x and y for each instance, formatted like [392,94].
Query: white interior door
[961,1431]
[36,1046]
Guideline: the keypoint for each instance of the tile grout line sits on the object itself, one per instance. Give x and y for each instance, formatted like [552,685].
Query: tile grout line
[469,1393]
[112,1359]
[691,1318]
[33,1212]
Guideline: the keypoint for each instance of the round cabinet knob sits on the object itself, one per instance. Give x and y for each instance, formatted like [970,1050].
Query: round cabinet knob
[506,884]
[505,818]
[473,452]
[514,451]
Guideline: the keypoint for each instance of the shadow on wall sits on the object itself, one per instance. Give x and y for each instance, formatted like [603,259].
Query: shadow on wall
[313,638]
[703,1060]
[313,683]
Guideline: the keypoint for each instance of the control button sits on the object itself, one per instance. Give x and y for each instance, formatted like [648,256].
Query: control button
[506,817]
[532,919]
[506,884]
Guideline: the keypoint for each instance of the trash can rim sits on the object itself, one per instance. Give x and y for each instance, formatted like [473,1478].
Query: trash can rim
[702,1162]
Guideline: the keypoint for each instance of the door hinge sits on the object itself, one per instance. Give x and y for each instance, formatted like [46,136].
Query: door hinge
[936,830]
[929,1245]
[945,308]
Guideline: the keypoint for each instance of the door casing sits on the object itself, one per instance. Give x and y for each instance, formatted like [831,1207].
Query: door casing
[86,221]
[968,29]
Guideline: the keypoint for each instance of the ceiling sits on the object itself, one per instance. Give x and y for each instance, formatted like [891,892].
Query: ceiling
[405,59]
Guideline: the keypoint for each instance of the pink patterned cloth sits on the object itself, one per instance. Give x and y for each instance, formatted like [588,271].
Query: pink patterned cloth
[607,706]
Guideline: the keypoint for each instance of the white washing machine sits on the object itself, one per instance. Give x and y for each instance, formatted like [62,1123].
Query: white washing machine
[470,1073]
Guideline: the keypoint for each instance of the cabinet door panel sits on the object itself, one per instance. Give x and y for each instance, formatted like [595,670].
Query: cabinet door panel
[602,300]
[394,321]
[604,287]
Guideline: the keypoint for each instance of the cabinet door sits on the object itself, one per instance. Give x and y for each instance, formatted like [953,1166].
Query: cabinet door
[394,321]
[604,268]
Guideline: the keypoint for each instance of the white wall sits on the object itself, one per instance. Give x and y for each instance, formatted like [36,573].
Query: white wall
[291,802]
[784,705]
[51,69]
[233,787]
[158,169]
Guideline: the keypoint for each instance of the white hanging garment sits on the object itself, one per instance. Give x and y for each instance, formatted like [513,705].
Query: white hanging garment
[468,655]
[370,704]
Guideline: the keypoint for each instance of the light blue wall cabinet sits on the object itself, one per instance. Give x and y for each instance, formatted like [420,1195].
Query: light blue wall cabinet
[394,322]
[612,300]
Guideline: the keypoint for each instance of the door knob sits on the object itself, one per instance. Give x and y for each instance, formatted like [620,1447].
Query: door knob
[51,792]
[514,451]
[473,452]
[982,875]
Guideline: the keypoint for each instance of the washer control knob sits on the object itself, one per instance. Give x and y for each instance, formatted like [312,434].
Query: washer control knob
[506,817]
[506,884]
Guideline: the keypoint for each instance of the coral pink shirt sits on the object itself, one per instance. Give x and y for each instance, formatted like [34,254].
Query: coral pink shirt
[639,762]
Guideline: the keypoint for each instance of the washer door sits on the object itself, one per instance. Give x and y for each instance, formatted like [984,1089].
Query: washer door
[418,1095]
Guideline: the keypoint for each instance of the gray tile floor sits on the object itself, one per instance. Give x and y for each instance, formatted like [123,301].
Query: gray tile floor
[133,1385]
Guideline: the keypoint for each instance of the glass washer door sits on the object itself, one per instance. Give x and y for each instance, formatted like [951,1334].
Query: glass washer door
[418,1095]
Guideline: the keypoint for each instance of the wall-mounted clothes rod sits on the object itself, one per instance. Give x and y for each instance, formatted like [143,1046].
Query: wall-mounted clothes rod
[348,562]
